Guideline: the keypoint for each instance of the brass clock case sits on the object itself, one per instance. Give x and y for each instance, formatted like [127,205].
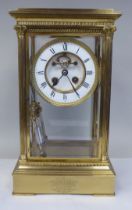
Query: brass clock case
[91,173]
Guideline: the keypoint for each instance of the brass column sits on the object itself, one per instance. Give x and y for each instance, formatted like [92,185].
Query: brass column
[21,33]
[106,88]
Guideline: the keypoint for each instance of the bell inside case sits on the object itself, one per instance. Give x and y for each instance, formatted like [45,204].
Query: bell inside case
[63,132]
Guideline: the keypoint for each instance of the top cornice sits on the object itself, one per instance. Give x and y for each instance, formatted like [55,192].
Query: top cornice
[24,13]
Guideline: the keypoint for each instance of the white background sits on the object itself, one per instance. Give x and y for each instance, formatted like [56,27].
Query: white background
[121,100]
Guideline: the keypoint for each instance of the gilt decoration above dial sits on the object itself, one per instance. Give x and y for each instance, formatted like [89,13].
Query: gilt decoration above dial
[65,72]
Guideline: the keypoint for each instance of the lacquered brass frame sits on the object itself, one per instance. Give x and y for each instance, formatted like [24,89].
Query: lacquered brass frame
[60,175]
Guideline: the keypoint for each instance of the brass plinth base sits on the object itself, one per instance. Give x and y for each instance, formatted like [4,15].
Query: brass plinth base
[93,180]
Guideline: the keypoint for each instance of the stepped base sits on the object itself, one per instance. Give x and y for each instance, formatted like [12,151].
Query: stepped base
[33,179]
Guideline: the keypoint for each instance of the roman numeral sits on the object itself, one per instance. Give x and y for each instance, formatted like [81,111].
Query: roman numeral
[86,60]
[64,97]
[89,72]
[52,51]
[85,84]
[65,46]
[77,50]
[43,84]
[42,59]
[40,72]
[52,94]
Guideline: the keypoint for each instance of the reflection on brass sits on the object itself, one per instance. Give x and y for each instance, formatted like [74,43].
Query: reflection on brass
[86,175]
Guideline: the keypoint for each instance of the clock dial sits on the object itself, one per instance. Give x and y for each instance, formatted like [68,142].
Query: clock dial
[62,67]
[65,72]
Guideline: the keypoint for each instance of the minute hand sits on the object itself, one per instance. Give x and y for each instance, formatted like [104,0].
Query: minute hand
[73,87]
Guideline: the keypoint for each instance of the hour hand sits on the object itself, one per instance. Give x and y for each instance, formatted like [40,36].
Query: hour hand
[55,80]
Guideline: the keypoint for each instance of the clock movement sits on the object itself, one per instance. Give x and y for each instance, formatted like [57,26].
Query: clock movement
[65,59]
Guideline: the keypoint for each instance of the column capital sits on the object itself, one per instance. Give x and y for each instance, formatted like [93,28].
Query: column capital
[21,30]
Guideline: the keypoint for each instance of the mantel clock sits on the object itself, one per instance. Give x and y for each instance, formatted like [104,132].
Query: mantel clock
[65,59]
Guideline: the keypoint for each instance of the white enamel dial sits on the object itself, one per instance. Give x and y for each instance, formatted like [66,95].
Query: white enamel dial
[65,72]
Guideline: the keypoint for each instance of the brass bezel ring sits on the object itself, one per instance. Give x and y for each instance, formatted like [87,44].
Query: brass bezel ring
[83,99]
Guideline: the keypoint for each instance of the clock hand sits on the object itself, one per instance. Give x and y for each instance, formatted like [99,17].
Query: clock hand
[64,73]
[73,87]
[56,80]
